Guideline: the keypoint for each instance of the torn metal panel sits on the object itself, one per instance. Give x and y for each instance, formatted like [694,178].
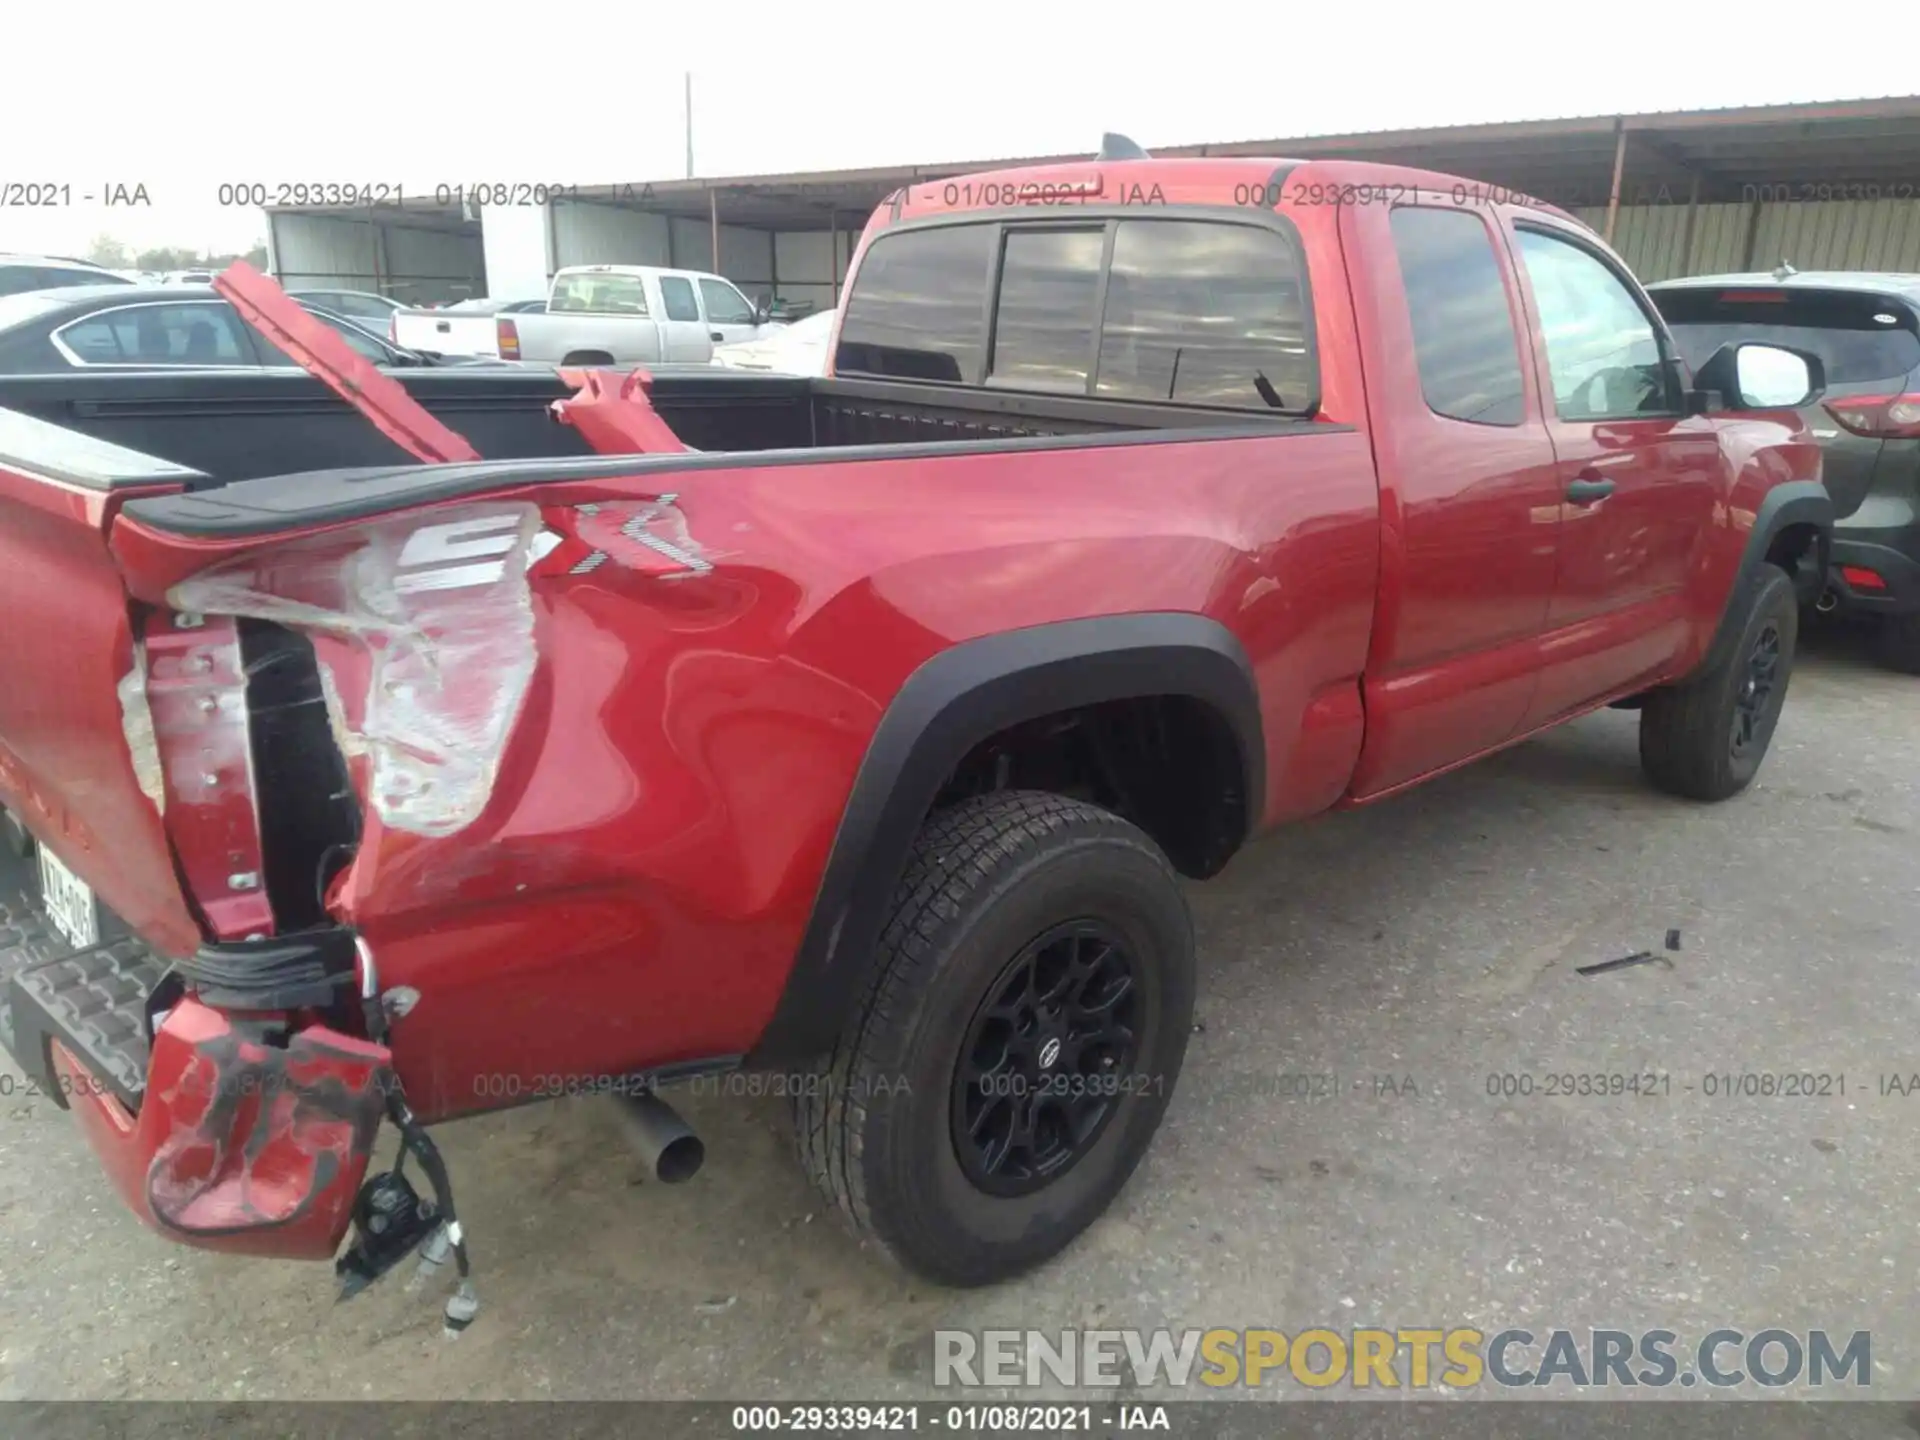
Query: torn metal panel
[197,700]
[438,604]
[136,720]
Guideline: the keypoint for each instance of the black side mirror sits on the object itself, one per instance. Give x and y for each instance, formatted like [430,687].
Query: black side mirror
[1748,375]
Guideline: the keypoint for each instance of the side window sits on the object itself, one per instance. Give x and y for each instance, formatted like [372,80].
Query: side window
[1048,306]
[206,334]
[1464,340]
[917,309]
[1602,350]
[1205,313]
[54,278]
[677,294]
[363,344]
[725,305]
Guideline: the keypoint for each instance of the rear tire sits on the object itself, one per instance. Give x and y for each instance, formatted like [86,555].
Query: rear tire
[1897,646]
[1025,923]
[1704,738]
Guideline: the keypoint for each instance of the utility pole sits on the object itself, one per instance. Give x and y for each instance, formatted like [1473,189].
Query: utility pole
[689,124]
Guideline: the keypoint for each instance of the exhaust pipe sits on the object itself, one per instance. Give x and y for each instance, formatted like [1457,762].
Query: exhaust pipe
[666,1142]
[1828,602]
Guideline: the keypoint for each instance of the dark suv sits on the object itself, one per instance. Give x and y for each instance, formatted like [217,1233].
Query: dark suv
[1866,327]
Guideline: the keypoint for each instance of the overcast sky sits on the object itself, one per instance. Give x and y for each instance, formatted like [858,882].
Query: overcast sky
[423,93]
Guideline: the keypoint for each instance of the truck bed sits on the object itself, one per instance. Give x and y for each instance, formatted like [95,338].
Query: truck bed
[232,427]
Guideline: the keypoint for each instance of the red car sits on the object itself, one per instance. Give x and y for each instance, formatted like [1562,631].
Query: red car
[1149,504]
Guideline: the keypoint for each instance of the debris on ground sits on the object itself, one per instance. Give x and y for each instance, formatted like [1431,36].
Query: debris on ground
[1639,957]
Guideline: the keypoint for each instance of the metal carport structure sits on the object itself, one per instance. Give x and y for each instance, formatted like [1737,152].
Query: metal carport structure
[1831,185]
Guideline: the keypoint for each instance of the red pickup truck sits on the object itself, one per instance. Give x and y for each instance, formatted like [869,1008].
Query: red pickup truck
[1149,504]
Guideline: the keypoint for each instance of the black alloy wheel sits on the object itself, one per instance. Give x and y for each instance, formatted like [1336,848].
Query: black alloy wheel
[1039,1070]
[1755,697]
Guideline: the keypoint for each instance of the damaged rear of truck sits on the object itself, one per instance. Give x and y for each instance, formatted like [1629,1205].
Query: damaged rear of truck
[864,746]
[408,793]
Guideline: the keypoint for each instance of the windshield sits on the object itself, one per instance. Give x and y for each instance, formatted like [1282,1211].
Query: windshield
[1860,338]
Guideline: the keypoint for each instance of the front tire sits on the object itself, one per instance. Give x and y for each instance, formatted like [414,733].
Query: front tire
[1704,738]
[1019,1041]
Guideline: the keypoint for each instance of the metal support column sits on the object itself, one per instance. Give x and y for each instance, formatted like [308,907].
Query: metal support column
[1686,234]
[833,254]
[1619,169]
[713,219]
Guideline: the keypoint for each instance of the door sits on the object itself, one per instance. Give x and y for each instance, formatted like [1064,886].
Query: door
[1468,488]
[683,334]
[1638,477]
[729,316]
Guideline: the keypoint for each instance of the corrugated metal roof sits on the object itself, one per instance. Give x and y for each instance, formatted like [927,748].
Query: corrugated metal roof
[1725,159]
[1567,160]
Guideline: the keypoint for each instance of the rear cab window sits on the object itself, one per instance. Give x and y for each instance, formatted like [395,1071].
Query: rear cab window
[918,307]
[598,293]
[1203,312]
[1863,339]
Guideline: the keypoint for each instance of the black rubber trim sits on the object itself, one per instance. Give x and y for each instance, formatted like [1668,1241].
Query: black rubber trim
[951,703]
[325,497]
[287,972]
[1795,502]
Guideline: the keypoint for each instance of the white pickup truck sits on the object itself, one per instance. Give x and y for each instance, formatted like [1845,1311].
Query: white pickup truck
[600,315]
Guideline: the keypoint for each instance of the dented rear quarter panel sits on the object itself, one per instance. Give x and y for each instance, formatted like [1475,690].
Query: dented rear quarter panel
[635,887]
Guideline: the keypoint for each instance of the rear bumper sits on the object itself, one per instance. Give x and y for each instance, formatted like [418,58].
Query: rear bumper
[1892,555]
[213,1129]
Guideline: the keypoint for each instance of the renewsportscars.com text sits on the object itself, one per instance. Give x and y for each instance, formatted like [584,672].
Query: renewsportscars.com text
[1414,1358]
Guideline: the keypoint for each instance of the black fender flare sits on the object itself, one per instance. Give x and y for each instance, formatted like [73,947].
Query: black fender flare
[947,706]
[1794,502]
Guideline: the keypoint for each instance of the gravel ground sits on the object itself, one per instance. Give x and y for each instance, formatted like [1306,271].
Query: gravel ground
[1432,939]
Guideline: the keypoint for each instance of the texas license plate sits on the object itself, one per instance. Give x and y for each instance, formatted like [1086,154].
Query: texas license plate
[69,902]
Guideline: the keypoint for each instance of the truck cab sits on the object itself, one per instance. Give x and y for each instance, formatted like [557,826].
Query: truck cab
[692,310]
[601,315]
